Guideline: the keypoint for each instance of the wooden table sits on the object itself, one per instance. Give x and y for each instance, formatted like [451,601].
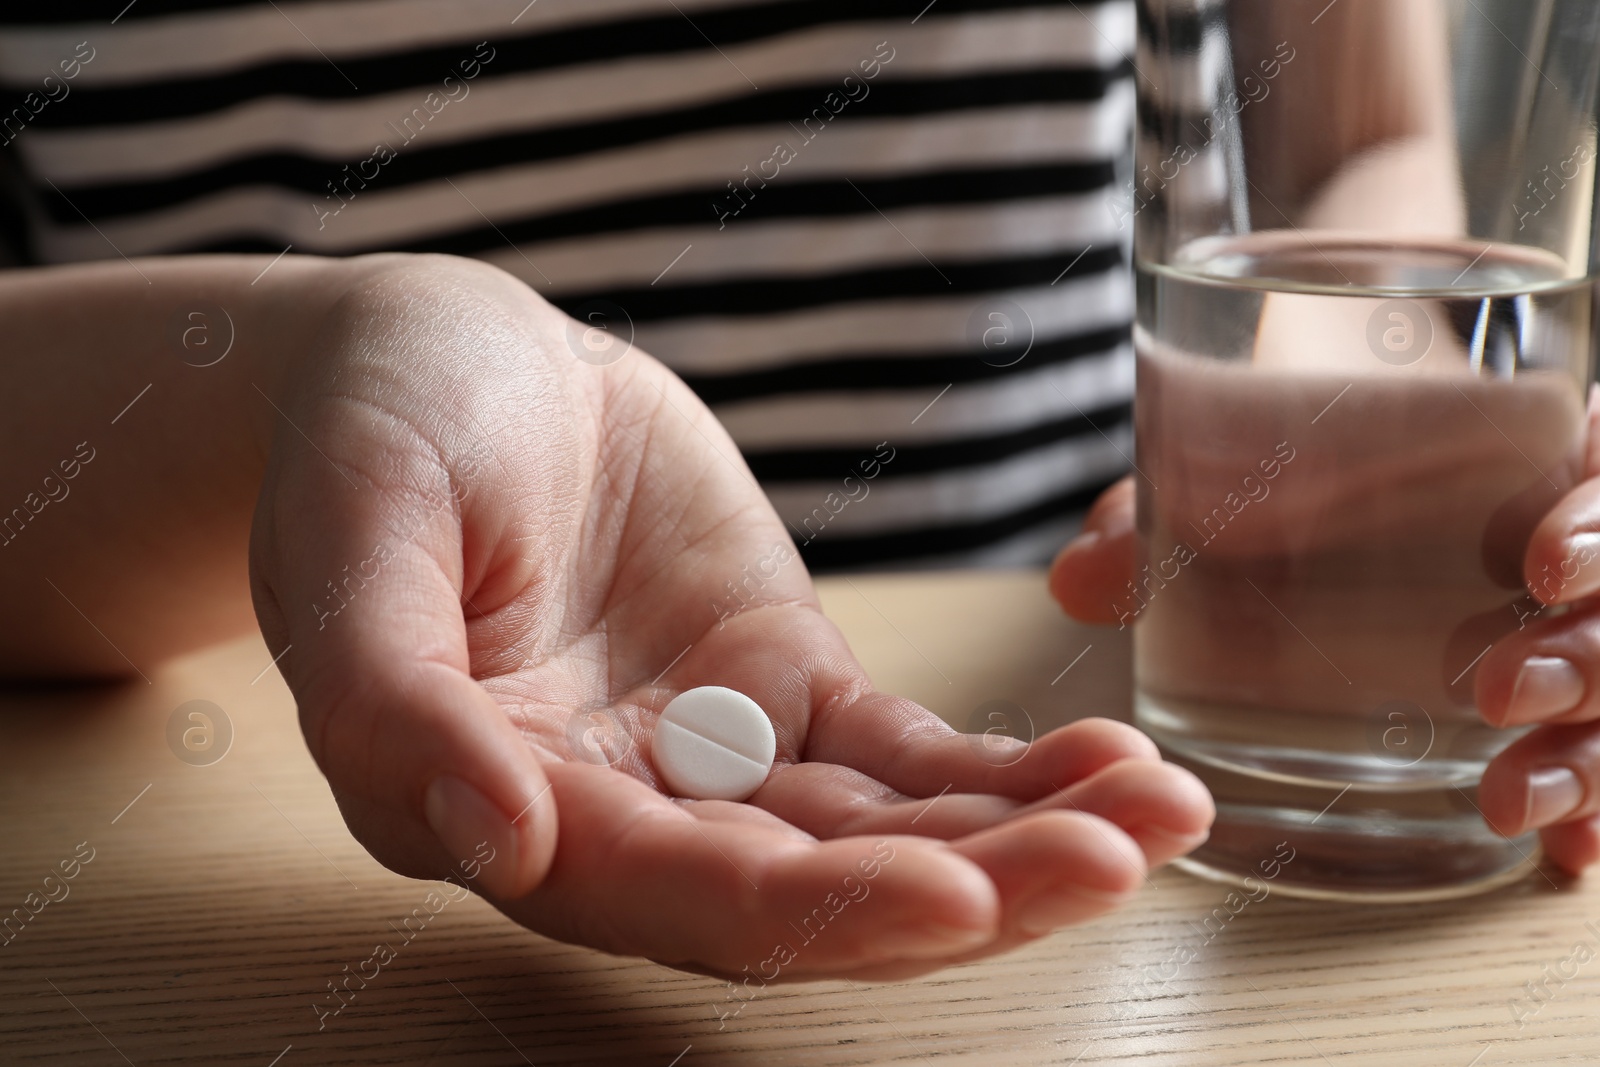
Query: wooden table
[220,900]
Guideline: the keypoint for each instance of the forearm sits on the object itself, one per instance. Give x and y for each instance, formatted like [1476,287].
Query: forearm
[1367,75]
[135,424]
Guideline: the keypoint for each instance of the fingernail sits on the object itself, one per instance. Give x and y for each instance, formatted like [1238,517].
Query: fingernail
[1553,794]
[1579,551]
[1084,541]
[930,941]
[1546,686]
[476,834]
[1057,907]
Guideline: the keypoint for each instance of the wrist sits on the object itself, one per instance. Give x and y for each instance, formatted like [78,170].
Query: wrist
[441,343]
[299,316]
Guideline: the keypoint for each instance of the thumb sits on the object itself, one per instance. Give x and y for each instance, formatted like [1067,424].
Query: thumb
[361,585]
[1092,572]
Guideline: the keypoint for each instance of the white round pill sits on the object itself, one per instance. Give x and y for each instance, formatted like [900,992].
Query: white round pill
[713,743]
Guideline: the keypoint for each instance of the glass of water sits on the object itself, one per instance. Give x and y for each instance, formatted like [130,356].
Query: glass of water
[1364,236]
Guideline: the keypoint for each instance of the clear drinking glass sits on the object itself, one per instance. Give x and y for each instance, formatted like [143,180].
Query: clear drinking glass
[1364,237]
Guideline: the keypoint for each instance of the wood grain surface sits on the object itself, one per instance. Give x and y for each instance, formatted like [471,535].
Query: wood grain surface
[221,899]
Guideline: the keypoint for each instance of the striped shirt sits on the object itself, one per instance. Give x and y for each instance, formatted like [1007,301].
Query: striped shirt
[884,236]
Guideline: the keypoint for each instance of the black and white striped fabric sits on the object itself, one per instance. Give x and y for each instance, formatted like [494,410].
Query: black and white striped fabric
[875,235]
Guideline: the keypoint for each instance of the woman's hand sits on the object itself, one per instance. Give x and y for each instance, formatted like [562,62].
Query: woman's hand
[1547,674]
[495,564]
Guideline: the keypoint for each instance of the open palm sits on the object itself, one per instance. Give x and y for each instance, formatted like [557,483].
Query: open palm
[496,571]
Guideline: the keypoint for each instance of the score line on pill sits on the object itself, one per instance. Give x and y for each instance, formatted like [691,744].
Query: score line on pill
[712,743]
